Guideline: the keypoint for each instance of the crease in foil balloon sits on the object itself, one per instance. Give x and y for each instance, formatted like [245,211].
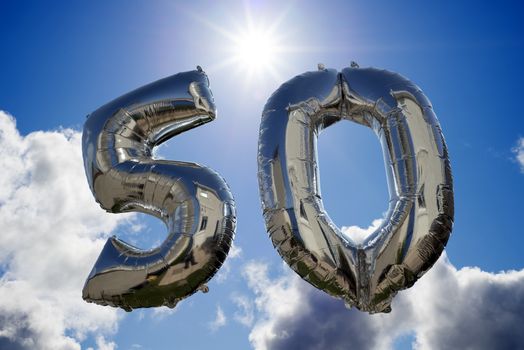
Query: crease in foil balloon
[419,219]
[192,200]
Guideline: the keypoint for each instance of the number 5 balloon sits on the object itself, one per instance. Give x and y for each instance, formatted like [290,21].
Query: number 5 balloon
[420,216]
[193,201]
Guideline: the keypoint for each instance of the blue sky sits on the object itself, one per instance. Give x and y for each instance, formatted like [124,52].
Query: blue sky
[62,60]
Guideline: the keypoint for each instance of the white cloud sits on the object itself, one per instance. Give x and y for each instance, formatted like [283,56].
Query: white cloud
[219,321]
[103,344]
[160,313]
[235,252]
[245,314]
[446,309]
[52,231]
[279,298]
[518,150]
[359,234]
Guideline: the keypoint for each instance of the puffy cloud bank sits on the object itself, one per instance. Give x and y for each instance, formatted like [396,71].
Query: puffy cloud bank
[359,234]
[52,231]
[446,309]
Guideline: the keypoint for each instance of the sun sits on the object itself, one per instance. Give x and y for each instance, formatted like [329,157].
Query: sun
[255,49]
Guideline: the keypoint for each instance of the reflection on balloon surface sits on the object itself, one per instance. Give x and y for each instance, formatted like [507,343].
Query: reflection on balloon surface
[418,222]
[192,200]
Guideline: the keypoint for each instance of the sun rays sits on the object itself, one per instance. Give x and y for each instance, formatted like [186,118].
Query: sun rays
[253,47]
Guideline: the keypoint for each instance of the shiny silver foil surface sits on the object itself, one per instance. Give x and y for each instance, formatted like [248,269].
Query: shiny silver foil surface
[193,201]
[419,220]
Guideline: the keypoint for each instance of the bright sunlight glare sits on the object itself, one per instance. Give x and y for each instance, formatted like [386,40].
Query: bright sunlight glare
[255,49]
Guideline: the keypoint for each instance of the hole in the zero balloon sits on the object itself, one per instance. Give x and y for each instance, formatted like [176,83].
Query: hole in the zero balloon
[143,231]
[352,177]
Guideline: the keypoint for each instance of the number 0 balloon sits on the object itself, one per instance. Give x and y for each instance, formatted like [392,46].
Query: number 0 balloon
[420,215]
[194,202]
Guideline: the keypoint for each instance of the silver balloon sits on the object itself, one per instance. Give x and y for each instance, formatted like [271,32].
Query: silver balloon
[193,201]
[420,216]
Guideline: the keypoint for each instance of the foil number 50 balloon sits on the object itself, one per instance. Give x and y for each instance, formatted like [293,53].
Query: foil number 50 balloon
[194,201]
[199,211]
[418,222]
